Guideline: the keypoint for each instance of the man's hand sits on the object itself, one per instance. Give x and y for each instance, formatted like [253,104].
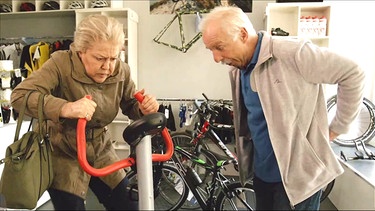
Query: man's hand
[332,135]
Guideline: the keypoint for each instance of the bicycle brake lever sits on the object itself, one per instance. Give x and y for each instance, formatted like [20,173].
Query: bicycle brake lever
[204,95]
[368,152]
[359,154]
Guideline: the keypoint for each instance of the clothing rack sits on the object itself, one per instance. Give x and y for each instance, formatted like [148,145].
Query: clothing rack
[175,99]
[30,40]
[188,99]
[38,38]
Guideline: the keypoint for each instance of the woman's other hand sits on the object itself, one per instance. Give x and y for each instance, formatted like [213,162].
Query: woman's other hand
[82,108]
[149,104]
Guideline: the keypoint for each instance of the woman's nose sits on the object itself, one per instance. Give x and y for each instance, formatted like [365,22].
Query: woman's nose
[106,64]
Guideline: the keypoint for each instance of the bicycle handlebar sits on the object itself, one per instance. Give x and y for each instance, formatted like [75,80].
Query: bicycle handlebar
[81,149]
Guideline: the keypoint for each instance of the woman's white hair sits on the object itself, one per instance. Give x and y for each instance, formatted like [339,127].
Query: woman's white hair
[96,28]
[230,18]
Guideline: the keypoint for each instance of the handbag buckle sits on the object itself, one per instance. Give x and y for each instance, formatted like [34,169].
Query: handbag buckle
[16,159]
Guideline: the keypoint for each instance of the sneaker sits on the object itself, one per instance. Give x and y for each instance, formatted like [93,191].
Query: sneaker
[279,32]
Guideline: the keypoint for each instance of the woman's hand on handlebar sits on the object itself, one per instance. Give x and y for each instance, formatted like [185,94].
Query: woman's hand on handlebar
[82,108]
[149,104]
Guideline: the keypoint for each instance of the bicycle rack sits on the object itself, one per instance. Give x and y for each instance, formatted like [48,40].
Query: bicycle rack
[143,155]
[362,152]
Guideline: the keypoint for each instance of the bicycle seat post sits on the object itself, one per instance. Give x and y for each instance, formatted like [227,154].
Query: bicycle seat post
[144,169]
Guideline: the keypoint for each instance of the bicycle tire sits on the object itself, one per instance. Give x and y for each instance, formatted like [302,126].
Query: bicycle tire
[183,139]
[327,190]
[365,123]
[171,191]
[237,197]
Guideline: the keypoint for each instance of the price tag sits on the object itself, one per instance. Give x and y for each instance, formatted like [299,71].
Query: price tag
[17,73]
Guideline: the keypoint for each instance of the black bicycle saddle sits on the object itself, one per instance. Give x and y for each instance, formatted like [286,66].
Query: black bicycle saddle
[147,125]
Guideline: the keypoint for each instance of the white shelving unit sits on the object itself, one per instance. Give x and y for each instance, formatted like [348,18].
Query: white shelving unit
[49,25]
[287,17]
[130,21]
[60,24]
[116,128]
[64,4]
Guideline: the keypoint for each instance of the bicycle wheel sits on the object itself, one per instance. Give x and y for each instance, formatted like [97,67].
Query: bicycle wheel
[363,127]
[170,192]
[238,197]
[183,140]
[327,190]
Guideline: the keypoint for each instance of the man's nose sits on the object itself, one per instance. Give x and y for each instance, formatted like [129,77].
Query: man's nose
[217,57]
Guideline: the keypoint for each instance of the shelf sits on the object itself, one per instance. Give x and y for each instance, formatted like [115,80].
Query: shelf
[283,17]
[121,146]
[63,4]
[43,13]
[287,16]
[63,22]
[129,19]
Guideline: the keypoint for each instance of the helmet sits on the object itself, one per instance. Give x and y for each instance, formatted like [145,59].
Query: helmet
[99,4]
[27,6]
[50,5]
[75,5]
[5,8]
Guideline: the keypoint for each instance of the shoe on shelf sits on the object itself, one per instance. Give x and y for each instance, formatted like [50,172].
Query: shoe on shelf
[279,32]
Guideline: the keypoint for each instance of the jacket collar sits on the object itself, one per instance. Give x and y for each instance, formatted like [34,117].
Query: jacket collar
[265,49]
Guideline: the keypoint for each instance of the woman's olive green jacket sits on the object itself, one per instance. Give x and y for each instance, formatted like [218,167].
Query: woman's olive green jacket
[63,78]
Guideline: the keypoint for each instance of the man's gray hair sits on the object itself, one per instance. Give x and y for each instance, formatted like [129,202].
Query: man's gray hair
[230,18]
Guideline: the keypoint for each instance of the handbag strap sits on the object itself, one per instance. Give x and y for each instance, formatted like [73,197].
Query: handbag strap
[22,113]
[40,113]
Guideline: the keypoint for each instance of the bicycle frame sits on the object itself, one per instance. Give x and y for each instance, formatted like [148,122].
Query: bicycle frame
[207,129]
[218,179]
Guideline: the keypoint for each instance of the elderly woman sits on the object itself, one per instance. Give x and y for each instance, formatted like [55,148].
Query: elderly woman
[90,67]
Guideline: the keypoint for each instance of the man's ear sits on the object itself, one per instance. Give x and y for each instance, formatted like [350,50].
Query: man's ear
[243,34]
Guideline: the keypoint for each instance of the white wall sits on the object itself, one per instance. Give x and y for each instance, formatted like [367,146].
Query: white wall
[352,34]
[169,73]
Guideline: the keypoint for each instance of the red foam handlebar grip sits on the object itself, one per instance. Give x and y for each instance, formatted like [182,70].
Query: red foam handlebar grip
[81,149]
[81,153]
[166,136]
[139,96]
